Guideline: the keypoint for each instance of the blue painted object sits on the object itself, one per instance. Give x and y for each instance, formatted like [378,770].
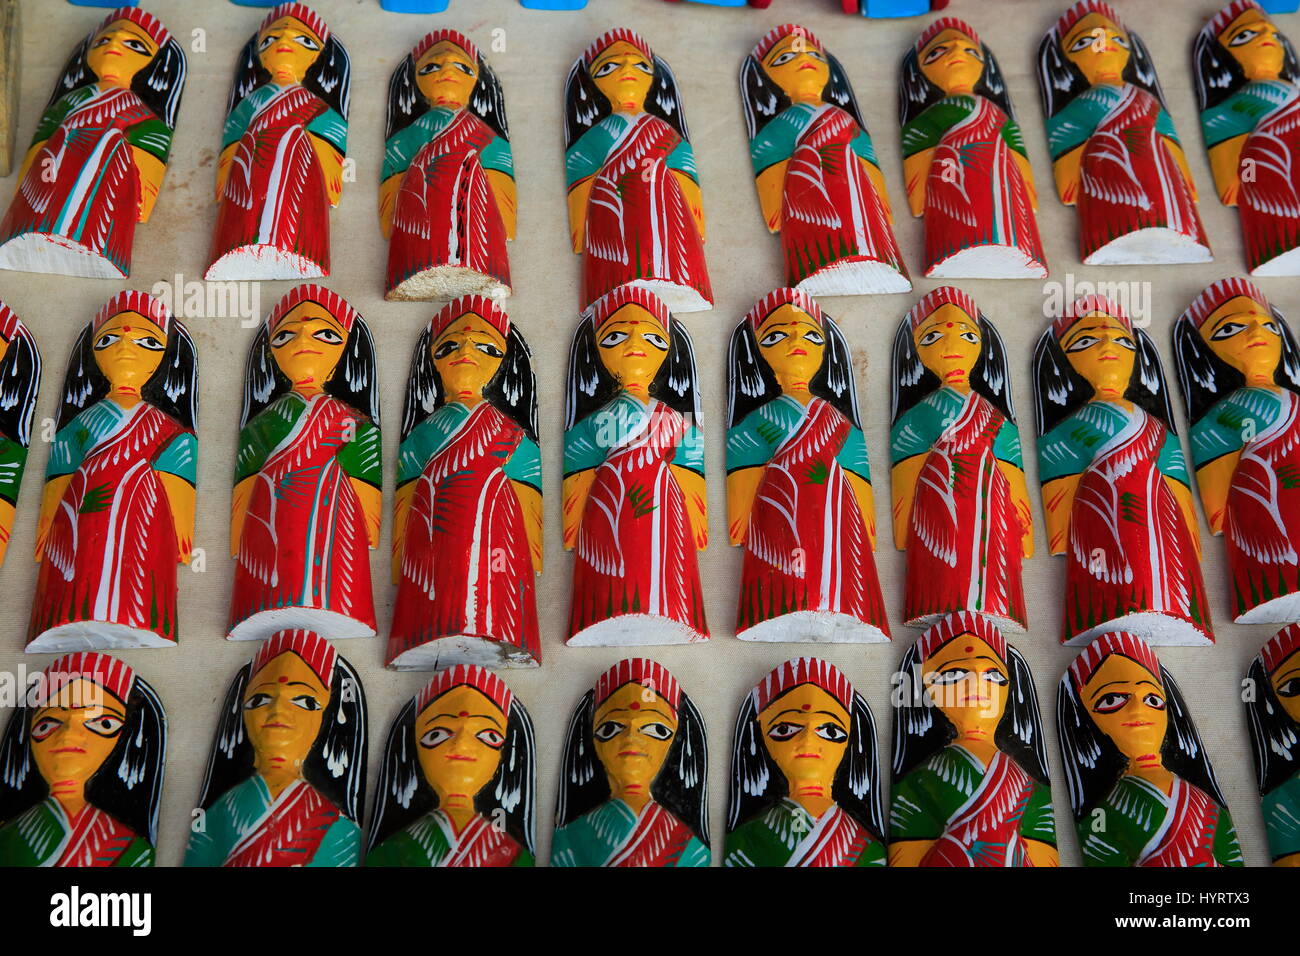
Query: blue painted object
[723,3]
[414,6]
[104,3]
[554,4]
[895,8]
[1279,6]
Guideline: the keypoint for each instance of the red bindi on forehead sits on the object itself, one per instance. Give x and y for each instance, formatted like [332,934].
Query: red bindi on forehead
[970,648]
[463,713]
[284,680]
[807,706]
[635,705]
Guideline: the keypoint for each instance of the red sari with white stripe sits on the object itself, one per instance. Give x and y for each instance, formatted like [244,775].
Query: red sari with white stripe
[836,839]
[1270,202]
[1187,836]
[990,821]
[95,839]
[291,831]
[657,840]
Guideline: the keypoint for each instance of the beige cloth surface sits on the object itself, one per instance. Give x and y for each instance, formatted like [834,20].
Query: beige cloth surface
[532,54]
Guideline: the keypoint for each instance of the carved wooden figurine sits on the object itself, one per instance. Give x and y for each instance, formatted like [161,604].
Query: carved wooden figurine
[1134,760]
[307,500]
[96,163]
[960,501]
[964,159]
[633,790]
[83,768]
[286,779]
[458,782]
[467,520]
[118,508]
[634,499]
[1115,154]
[1273,709]
[634,195]
[971,786]
[799,493]
[20,377]
[1116,495]
[1248,88]
[819,184]
[282,151]
[805,786]
[1239,369]
[447,199]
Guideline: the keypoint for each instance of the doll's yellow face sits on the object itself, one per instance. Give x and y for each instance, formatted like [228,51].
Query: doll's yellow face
[128,349]
[1099,48]
[458,739]
[633,731]
[1285,680]
[793,345]
[799,68]
[467,355]
[446,75]
[1253,42]
[949,343]
[73,734]
[624,75]
[633,346]
[1128,704]
[307,344]
[287,49]
[284,704]
[806,732]
[1101,349]
[969,683]
[119,52]
[952,61]
[1245,334]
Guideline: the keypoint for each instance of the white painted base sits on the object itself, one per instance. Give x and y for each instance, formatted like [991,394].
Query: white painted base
[814,627]
[94,636]
[1162,630]
[1285,264]
[856,278]
[258,262]
[462,649]
[329,624]
[1280,610]
[678,298]
[1001,623]
[1150,247]
[988,262]
[43,252]
[447,282]
[630,630]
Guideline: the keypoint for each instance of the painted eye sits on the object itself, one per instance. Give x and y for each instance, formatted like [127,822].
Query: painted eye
[1083,343]
[307,702]
[773,337]
[428,68]
[434,736]
[105,340]
[605,69]
[1109,703]
[283,337]
[266,42]
[464,68]
[1127,343]
[135,46]
[1288,688]
[995,676]
[784,730]
[1272,327]
[1227,330]
[105,725]
[257,700]
[952,675]
[657,340]
[784,58]
[644,67]
[448,347]
[1154,701]
[102,41]
[1083,42]
[1120,41]
[328,336]
[658,731]
[832,732]
[492,738]
[816,338]
[306,42]
[970,337]
[1243,37]
[44,727]
[607,730]
[150,343]
[975,53]
[934,335]
[935,54]
[612,339]
[487,348]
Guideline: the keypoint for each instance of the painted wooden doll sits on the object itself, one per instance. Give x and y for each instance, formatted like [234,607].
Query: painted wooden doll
[1115,154]
[1273,710]
[799,495]
[805,787]
[1116,495]
[447,194]
[960,501]
[282,151]
[1239,369]
[819,184]
[458,784]
[286,779]
[633,791]
[96,163]
[964,159]
[971,786]
[83,768]
[634,507]
[1134,761]
[20,377]
[306,507]
[1248,89]
[634,195]
[117,513]
[467,520]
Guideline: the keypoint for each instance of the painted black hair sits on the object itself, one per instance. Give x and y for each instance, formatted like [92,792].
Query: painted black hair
[585,105]
[20,378]
[1205,379]
[912,381]
[1274,733]
[916,93]
[763,100]
[406,103]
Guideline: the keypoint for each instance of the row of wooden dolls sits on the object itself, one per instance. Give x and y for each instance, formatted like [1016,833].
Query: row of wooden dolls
[448,198]
[117,512]
[286,779]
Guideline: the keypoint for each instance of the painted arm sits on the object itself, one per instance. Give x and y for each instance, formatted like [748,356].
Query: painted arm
[503,187]
[27,164]
[1225,165]
[579,193]
[331,167]
[916,170]
[530,500]
[1026,174]
[577,487]
[1042,854]
[1020,498]
[223,168]
[238,510]
[1183,495]
[908,852]
[401,512]
[878,182]
[1214,480]
[902,481]
[697,506]
[1291,859]
[180,496]
[1176,151]
[771,193]
[53,494]
[151,170]
[694,200]
[6,527]
[866,504]
[1066,172]
[372,506]
[1058,502]
[742,487]
[388,190]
